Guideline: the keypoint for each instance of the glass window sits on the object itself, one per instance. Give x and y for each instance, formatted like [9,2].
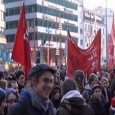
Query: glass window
[42,9]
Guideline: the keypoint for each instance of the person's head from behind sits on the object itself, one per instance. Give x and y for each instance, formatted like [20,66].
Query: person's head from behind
[12,96]
[13,84]
[20,75]
[93,79]
[68,85]
[79,77]
[2,101]
[42,80]
[96,91]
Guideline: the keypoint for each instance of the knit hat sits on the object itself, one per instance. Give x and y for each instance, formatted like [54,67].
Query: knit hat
[96,86]
[40,68]
[2,95]
[113,103]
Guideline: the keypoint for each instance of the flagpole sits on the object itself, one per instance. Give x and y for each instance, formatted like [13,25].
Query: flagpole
[106,34]
[60,49]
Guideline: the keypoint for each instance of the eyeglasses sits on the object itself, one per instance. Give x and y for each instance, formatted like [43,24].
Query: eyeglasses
[47,81]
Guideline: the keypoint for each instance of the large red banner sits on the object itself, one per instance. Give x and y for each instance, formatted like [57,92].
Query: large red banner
[111,47]
[87,60]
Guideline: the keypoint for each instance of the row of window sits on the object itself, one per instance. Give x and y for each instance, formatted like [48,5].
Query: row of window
[41,36]
[43,23]
[93,28]
[8,1]
[65,3]
[42,9]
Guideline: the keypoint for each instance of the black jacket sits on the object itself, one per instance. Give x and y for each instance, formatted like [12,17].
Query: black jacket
[98,106]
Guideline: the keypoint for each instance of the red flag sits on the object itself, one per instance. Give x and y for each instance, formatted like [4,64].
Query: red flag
[87,60]
[111,46]
[21,49]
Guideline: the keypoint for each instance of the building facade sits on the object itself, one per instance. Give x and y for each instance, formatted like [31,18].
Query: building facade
[3,40]
[47,19]
[93,21]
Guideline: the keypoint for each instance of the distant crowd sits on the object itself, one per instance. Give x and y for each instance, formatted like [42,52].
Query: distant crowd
[49,91]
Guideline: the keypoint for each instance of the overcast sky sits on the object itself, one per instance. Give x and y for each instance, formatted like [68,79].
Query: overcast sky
[94,3]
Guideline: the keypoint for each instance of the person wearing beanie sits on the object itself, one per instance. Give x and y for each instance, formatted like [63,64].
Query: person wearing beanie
[96,101]
[2,101]
[35,100]
[72,102]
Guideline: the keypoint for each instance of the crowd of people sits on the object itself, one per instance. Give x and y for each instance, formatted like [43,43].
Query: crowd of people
[48,91]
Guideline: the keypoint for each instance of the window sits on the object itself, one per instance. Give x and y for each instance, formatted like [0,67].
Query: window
[42,9]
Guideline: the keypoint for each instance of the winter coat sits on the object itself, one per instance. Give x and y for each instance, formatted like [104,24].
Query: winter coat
[107,104]
[30,104]
[112,88]
[98,106]
[74,104]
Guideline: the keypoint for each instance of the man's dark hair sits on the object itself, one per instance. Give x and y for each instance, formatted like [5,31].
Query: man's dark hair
[79,76]
[19,73]
[69,85]
[34,79]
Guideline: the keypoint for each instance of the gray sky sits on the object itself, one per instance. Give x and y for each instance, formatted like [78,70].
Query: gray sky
[94,3]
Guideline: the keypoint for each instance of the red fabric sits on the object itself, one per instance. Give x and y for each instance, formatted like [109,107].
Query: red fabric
[21,49]
[87,60]
[111,47]
[113,102]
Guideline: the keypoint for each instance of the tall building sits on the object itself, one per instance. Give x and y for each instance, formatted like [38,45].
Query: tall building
[46,19]
[3,40]
[93,21]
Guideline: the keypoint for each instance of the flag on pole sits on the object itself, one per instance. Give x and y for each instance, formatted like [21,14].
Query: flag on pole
[21,49]
[111,46]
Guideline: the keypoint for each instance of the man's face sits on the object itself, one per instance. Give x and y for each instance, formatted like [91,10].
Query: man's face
[15,86]
[97,93]
[95,81]
[104,84]
[45,85]
[21,80]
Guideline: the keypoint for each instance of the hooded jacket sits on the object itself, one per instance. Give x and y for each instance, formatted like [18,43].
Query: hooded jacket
[30,104]
[74,104]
